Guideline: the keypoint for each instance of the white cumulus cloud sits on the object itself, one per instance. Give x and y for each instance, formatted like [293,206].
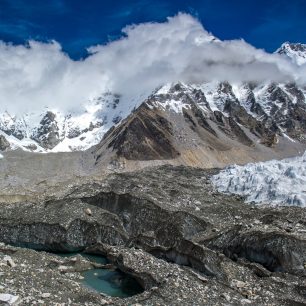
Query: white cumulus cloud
[148,55]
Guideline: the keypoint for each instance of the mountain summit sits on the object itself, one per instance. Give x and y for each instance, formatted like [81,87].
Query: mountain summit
[295,51]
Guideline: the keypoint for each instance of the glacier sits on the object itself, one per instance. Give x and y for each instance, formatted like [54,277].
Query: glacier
[274,182]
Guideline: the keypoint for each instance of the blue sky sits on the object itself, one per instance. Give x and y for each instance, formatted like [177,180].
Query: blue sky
[78,24]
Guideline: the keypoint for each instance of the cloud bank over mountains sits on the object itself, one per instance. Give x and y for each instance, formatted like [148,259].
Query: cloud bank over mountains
[148,55]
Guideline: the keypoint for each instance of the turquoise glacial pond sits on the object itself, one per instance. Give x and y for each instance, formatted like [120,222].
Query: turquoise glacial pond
[112,283]
[109,282]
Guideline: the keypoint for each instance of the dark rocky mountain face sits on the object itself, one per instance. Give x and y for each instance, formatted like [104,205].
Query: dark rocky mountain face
[265,119]
[47,134]
[146,136]
[4,144]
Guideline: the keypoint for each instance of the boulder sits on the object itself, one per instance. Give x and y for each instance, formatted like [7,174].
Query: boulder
[9,299]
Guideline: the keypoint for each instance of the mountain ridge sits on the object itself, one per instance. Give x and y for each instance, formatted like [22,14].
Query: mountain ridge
[239,111]
[201,129]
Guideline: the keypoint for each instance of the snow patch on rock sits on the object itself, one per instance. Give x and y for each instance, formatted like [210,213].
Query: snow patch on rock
[9,299]
[273,182]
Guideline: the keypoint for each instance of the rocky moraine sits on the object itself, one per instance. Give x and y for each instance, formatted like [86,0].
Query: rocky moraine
[182,241]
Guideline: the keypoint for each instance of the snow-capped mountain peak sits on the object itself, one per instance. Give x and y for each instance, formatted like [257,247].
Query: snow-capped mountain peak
[295,51]
[277,106]
[52,130]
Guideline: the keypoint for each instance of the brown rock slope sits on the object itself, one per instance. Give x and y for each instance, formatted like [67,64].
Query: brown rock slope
[198,136]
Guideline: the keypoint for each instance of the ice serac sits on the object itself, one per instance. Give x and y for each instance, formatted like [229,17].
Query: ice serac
[208,125]
[272,182]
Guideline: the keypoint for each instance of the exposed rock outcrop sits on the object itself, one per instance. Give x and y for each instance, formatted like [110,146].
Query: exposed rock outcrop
[4,144]
[146,136]
[47,135]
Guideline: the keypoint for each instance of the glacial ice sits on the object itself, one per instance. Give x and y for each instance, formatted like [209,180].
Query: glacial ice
[275,182]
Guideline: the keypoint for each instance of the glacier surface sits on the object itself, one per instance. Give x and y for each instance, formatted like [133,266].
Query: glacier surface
[275,182]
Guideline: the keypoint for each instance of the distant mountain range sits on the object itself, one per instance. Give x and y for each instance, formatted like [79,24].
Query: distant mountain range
[223,122]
